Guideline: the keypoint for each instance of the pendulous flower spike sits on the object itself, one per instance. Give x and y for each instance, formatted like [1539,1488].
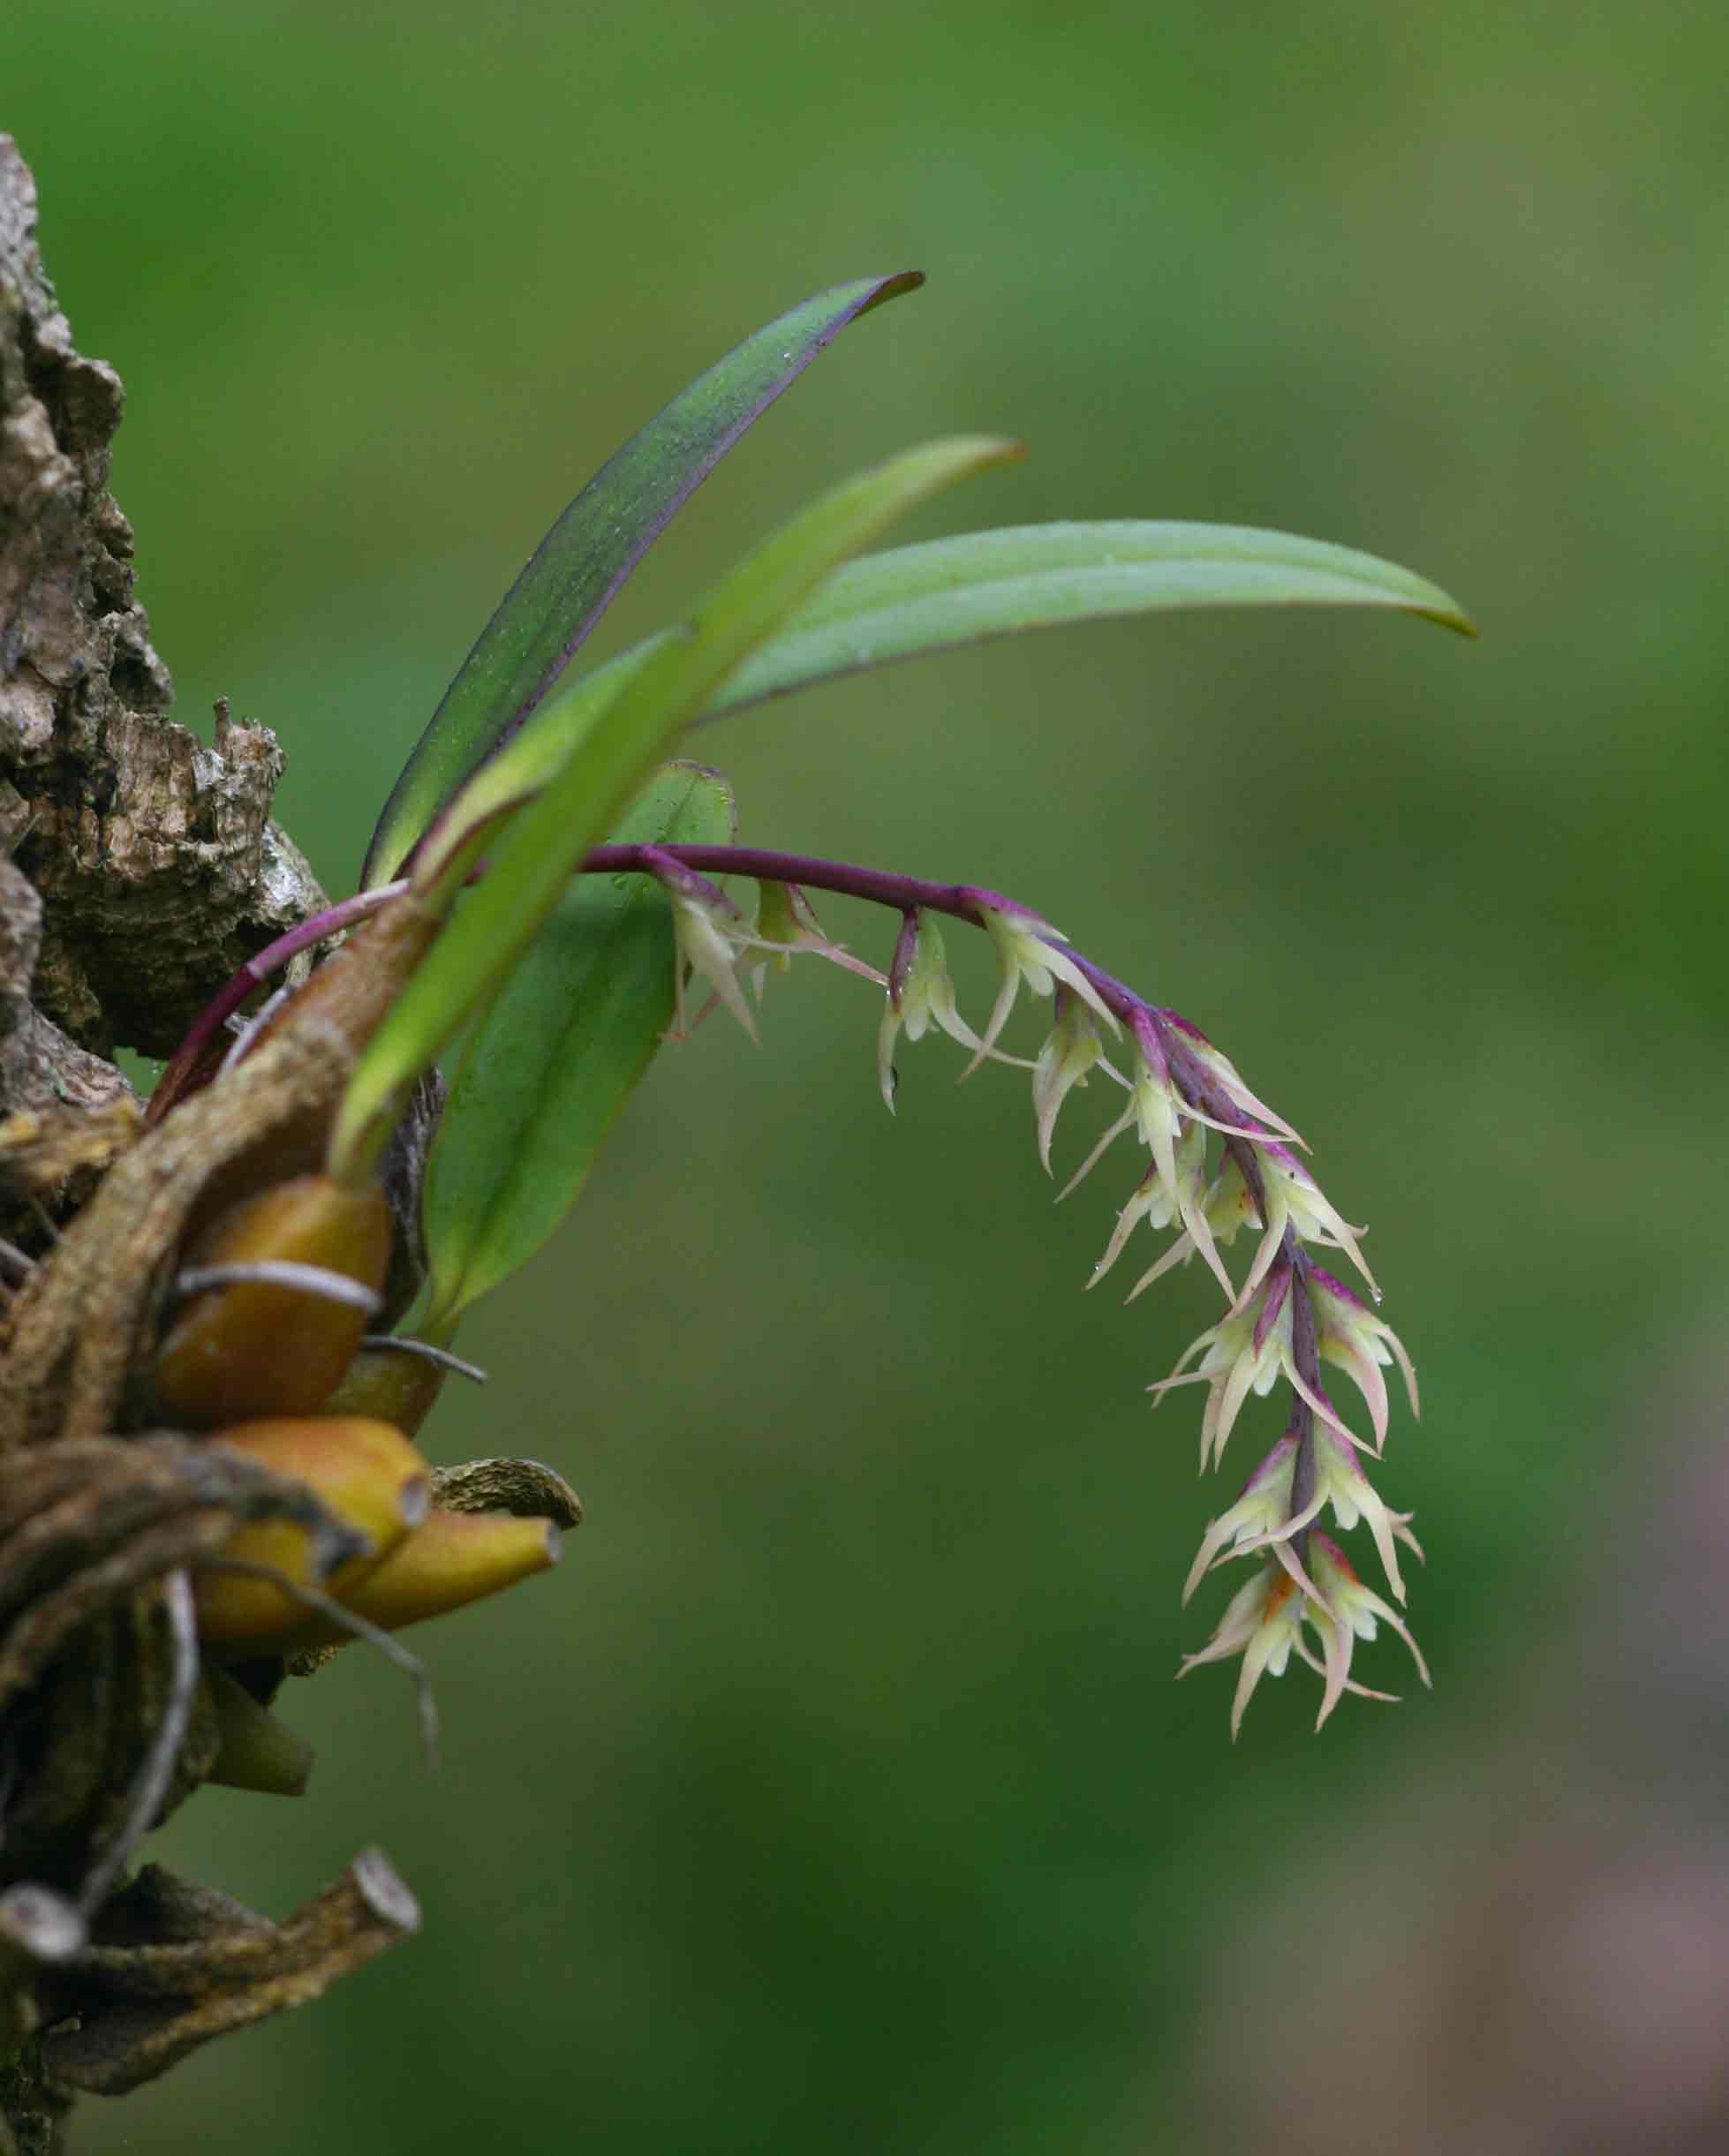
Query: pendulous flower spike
[1220,1160]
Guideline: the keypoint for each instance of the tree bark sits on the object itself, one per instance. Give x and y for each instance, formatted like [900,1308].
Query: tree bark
[138,869]
[143,868]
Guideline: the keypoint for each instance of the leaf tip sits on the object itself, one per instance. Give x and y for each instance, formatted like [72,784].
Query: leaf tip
[891,288]
[1445,611]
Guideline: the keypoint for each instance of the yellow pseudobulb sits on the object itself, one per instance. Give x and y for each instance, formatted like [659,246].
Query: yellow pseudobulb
[257,1348]
[365,1473]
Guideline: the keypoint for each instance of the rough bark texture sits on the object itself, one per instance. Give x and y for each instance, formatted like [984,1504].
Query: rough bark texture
[144,867]
[137,869]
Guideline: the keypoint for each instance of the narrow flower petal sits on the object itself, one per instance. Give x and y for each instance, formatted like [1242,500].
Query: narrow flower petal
[1200,1232]
[1355,1605]
[1122,1123]
[1316,1221]
[706,949]
[887,1033]
[997,1021]
[790,930]
[1263,1504]
[1179,1252]
[1349,1328]
[1027,950]
[1219,1066]
[920,994]
[1290,1562]
[1269,1649]
[1242,1353]
[1148,1199]
[1340,1482]
[1064,968]
[1323,1406]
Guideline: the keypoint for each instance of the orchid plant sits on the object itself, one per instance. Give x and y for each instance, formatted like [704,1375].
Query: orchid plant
[580,894]
[208,1478]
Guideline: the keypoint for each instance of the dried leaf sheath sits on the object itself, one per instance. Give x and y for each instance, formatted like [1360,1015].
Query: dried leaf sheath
[81,1321]
[174,1965]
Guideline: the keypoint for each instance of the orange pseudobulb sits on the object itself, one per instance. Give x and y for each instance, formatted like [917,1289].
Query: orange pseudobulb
[453,1559]
[365,1473]
[259,1349]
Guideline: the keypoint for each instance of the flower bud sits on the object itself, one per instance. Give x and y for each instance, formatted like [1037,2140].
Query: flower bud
[259,1348]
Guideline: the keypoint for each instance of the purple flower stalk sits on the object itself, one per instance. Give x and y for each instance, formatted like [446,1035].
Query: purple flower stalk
[206,1028]
[1287,1319]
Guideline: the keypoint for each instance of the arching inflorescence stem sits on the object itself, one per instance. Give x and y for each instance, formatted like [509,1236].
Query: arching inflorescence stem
[1284,1321]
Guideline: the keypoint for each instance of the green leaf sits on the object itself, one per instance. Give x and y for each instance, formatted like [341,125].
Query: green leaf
[918,599]
[544,1075]
[548,612]
[608,755]
[915,600]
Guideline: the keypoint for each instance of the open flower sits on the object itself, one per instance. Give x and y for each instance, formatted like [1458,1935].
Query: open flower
[1028,950]
[1159,1197]
[1295,1199]
[1248,1106]
[1357,1612]
[787,923]
[920,994]
[1263,1622]
[710,935]
[1250,1347]
[1244,1353]
[1265,1515]
[1351,1335]
[1071,1048]
[1227,1206]
[1177,1187]
[1263,1510]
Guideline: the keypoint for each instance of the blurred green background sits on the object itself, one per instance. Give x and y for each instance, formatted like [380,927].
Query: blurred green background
[836,1794]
